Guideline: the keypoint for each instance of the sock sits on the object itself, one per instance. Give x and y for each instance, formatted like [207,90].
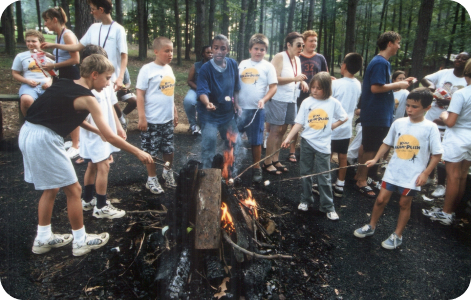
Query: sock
[44,233]
[100,201]
[149,178]
[165,171]
[79,235]
[88,192]
[122,119]
[340,183]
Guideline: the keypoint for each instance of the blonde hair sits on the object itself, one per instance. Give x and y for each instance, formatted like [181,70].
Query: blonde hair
[160,41]
[325,83]
[258,38]
[467,69]
[32,32]
[95,63]
[308,33]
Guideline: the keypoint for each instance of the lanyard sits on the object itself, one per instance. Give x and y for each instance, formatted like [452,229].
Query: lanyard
[58,41]
[295,68]
[99,35]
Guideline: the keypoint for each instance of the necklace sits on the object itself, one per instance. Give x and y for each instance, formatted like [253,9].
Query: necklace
[295,68]
[99,35]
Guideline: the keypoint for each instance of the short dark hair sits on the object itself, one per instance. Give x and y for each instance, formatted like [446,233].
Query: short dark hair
[204,48]
[220,37]
[92,49]
[324,81]
[55,12]
[106,4]
[290,37]
[422,94]
[396,74]
[353,61]
[386,37]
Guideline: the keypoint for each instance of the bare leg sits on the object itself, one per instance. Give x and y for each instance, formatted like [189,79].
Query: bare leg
[168,158]
[342,163]
[103,169]
[257,155]
[151,171]
[119,113]
[274,143]
[363,170]
[132,104]
[45,206]
[25,102]
[404,214]
[90,174]
[74,205]
[381,202]
[456,174]
[75,136]
[292,147]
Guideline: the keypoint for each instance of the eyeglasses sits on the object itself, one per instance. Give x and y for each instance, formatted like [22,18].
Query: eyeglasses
[93,9]
[300,45]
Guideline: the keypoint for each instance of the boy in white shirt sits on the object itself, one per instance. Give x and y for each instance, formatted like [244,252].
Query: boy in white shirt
[33,81]
[347,90]
[414,139]
[258,85]
[157,112]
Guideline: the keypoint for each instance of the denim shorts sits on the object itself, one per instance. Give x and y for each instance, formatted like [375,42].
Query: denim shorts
[255,129]
[34,92]
[398,189]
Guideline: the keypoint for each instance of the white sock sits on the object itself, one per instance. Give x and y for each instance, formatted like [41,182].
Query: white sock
[150,178]
[122,119]
[44,233]
[340,183]
[79,235]
[165,171]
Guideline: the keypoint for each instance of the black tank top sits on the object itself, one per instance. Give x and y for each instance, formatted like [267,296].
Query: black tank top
[55,108]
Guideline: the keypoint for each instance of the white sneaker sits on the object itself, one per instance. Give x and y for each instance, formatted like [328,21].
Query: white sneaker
[108,211]
[332,215]
[86,206]
[195,130]
[169,180]
[154,186]
[73,153]
[302,206]
[67,145]
[439,191]
[92,242]
[55,241]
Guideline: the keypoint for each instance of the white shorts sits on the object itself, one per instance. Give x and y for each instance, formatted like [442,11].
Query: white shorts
[456,146]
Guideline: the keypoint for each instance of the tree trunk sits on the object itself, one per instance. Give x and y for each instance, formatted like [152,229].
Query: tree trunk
[65,7]
[250,25]
[272,40]
[187,31]
[420,45]
[332,56]
[350,30]
[321,25]
[19,23]
[399,28]
[212,7]
[141,11]
[225,18]
[282,25]
[365,58]
[383,10]
[83,18]
[408,33]
[453,31]
[199,28]
[310,17]
[38,12]
[8,27]
[243,21]
[292,6]
[262,15]
[178,37]
[118,8]
[462,31]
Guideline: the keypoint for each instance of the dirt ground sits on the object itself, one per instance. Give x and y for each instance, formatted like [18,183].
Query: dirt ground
[329,262]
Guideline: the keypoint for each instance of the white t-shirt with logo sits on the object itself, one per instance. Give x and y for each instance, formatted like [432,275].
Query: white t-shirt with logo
[115,44]
[348,92]
[400,97]
[91,144]
[413,144]
[24,63]
[159,84]
[255,78]
[317,117]
[444,79]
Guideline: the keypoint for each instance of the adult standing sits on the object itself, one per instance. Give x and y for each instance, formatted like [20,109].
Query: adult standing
[66,61]
[281,109]
[450,80]
[190,100]
[377,105]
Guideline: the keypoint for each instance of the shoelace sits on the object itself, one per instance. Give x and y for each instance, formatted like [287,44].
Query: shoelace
[365,228]
[93,242]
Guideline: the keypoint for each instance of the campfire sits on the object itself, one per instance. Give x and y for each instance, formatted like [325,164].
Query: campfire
[229,155]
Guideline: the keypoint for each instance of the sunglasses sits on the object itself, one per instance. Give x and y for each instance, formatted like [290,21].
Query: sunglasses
[300,45]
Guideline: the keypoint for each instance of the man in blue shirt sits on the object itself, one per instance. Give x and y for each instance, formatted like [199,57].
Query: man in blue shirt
[377,104]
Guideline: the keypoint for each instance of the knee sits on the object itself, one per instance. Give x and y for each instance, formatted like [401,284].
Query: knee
[381,201]
[103,167]
[404,204]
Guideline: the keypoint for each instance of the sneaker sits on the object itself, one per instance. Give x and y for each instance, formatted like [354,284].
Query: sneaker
[374,184]
[169,180]
[195,130]
[73,152]
[92,242]
[86,206]
[302,206]
[392,242]
[444,218]
[154,186]
[439,191]
[364,231]
[431,211]
[257,175]
[332,215]
[108,211]
[338,190]
[430,181]
[124,124]
[67,145]
[315,188]
[55,241]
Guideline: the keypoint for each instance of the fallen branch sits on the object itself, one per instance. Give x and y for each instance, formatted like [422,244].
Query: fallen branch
[275,256]
[146,211]
[138,251]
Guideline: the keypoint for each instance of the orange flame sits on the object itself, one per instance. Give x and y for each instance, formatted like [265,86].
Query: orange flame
[251,204]
[226,219]
[229,154]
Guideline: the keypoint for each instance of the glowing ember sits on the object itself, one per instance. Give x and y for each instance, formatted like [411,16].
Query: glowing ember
[226,219]
[229,154]
[251,204]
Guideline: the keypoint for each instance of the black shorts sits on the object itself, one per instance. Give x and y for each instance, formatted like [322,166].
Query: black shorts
[373,137]
[340,146]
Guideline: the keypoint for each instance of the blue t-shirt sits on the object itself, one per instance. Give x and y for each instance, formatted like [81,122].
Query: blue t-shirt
[377,109]
[220,88]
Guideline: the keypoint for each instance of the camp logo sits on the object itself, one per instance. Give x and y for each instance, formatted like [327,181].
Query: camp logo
[407,147]
[250,76]
[167,86]
[318,119]
[32,67]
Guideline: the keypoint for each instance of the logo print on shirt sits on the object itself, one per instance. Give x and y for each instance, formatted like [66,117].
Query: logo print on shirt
[167,86]
[318,119]
[250,76]
[407,147]
[32,67]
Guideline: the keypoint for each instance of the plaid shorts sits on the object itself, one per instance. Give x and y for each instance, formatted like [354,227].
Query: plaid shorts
[158,137]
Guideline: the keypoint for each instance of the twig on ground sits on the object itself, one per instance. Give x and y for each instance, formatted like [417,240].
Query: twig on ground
[138,251]
[146,211]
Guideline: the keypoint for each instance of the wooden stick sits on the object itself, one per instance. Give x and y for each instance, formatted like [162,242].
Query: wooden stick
[146,211]
[138,251]
[228,239]
[163,165]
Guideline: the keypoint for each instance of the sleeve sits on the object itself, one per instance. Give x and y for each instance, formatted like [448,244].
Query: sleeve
[142,79]
[389,139]
[113,98]
[379,73]
[456,103]
[121,42]
[300,116]
[271,76]
[202,83]
[237,77]
[17,65]
[87,38]
[435,141]
[339,111]
[434,77]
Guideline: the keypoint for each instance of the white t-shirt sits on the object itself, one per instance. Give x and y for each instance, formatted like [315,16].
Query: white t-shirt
[24,63]
[400,97]
[255,78]
[444,79]
[91,144]
[159,84]
[317,117]
[348,92]
[413,144]
[460,134]
[115,44]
